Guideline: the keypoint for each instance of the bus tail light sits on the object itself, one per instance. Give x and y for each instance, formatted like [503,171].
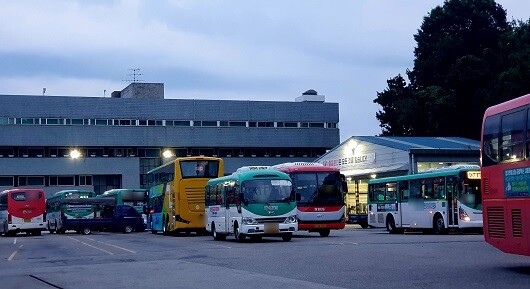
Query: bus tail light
[9,220]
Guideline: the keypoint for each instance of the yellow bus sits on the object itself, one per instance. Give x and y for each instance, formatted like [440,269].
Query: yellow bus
[176,194]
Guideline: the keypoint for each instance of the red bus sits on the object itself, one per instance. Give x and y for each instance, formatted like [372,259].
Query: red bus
[22,210]
[505,170]
[320,196]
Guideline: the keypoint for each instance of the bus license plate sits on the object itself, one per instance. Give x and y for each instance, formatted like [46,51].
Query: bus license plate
[27,220]
[272,228]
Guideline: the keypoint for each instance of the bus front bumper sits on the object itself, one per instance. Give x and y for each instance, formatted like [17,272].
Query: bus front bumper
[21,227]
[269,228]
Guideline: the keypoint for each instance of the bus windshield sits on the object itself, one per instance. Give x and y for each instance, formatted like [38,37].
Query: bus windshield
[199,169]
[318,188]
[26,196]
[267,191]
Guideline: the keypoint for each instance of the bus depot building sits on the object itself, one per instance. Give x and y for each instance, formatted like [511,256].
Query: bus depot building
[361,158]
[103,143]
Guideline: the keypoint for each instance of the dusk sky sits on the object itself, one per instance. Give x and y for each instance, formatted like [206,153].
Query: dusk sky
[241,50]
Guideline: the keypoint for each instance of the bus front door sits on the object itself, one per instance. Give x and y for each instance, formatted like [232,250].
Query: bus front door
[452,207]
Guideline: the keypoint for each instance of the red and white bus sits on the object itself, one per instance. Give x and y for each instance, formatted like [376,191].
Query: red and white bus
[22,210]
[320,196]
[505,170]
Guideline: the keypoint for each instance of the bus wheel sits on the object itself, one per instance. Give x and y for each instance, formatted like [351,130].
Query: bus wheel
[128,229]
[37,233]
[391,225]
[439,225]
[86,231]
[217,236]
[364,225]
[324,232]
[165,226]
[287,237]
[239,236]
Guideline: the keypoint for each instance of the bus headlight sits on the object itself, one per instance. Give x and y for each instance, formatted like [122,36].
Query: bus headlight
[290,219]
[462,215]
[249,221]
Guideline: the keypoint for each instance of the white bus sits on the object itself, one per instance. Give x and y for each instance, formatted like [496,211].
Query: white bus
[253,203]
[432,201]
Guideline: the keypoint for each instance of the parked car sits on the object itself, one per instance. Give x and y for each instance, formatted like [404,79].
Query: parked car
[122,218]
[361,219]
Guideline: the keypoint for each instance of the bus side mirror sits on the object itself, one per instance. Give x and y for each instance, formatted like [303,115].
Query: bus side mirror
[298,197]
[343,183]
[241,198]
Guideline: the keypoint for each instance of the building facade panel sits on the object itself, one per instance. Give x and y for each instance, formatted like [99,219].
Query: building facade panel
[120,138]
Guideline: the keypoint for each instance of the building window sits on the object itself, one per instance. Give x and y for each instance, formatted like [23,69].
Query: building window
[101,122]
[52,121]
[290,124]
[30,181]
[209,123]
[125,122]
[238,123]
[62,181]
[78,121]
[265,124]
[6,181]
[316,124]
[27,121]
[304,124]
[181,123]
[85,180]
[223,123]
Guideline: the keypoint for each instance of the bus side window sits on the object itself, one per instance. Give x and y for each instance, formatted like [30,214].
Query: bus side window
[415,191]
[404,190]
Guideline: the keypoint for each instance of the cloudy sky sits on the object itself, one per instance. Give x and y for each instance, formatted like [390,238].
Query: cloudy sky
[244,50]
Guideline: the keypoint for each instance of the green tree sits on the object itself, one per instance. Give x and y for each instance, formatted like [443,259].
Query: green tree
[514,80]
[397,116]
[458,60]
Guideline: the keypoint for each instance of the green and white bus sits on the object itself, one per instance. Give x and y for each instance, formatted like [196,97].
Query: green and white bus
[251,202]
[136,198]
[56,209]
[432,201]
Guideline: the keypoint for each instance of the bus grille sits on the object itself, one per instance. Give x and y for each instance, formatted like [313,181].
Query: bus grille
[270,220]
[486,186]
[195,195]
[496,222]
[517,223]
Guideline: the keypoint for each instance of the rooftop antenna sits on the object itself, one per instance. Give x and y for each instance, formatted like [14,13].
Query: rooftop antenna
[43,91]
[134,75]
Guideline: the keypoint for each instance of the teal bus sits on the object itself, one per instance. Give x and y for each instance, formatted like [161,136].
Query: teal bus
[136,198]
[56,209]
[251,202]
[431,201]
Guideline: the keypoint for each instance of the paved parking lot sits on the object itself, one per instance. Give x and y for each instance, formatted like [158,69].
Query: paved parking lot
[351,258]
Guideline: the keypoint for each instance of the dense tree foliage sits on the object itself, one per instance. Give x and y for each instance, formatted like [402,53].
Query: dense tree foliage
[468,57]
